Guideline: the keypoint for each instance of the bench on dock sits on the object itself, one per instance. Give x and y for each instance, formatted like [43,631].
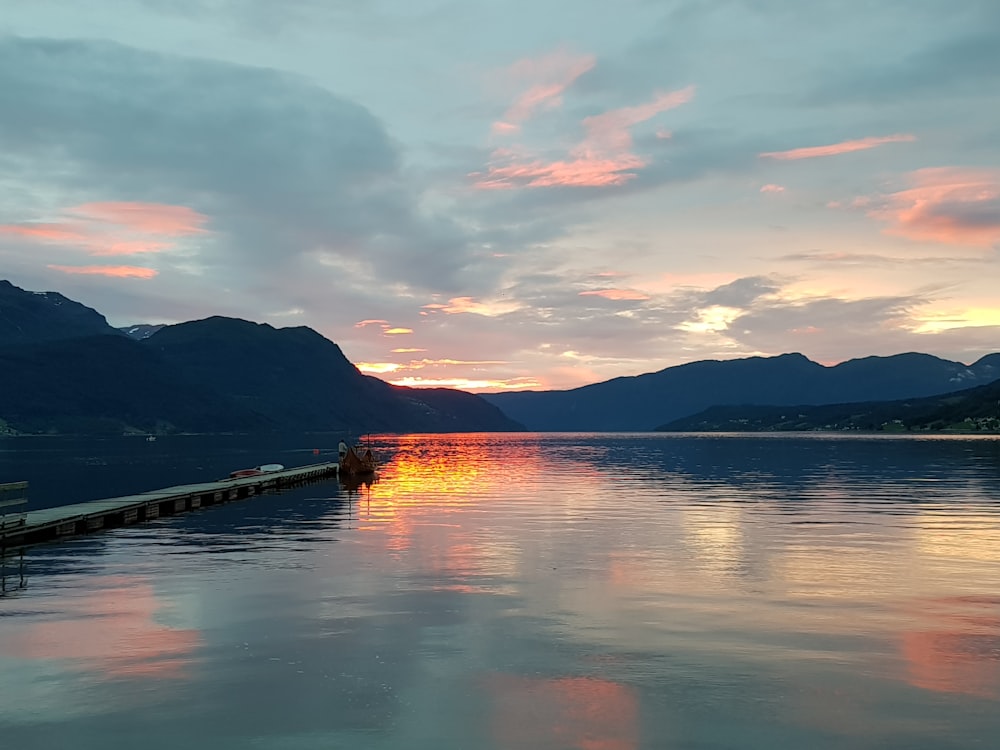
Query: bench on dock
[12,496]
[13,519]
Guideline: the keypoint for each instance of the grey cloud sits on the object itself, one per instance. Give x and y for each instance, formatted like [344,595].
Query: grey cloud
[742,292]
[833,330]
[949,63]
[968,214]
[284,165]
[828,328]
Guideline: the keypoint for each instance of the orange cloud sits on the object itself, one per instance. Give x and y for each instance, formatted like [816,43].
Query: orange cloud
[407,351]
[551,75]
[377,367]
[833,149]
[616,294]
[61,234]
[420,363]
[150,218]
[459,305]
[115,228]
[604,157]
[950,205]
[120,272]
[608,133]
[397,331]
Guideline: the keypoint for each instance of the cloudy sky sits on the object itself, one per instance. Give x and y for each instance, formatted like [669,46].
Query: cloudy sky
[510,193]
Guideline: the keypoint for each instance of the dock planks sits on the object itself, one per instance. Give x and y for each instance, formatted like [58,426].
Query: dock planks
[80,518]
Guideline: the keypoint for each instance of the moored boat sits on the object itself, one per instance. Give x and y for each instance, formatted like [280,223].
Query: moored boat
[357,461]
[240,473]
[256,471]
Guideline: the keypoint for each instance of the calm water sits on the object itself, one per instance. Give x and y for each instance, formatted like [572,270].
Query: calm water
[597,592]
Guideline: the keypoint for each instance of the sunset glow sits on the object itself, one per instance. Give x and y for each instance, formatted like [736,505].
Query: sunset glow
[601,184]
[115,272]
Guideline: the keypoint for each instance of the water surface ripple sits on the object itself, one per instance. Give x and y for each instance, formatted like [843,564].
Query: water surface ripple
[590,591]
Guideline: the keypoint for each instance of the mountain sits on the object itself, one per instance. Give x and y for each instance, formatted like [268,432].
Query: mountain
[297,379]
[63,369]
[970,410]
[107,385]
[644,401]
[31,317]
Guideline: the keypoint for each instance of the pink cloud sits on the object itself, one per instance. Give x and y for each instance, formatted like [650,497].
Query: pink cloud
[148,218]
[772,188]
[62,234]
[603,158]
[371,321]
[608,133]
[131,247]
[549,76]
[833,149]
[616,294]
[114,228]
[119,272]
[950,205]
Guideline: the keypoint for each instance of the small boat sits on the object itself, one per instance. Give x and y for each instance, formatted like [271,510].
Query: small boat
[357,461]
[240,473]
[255,471]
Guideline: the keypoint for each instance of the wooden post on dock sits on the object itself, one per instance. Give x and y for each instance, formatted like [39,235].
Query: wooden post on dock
[12,518]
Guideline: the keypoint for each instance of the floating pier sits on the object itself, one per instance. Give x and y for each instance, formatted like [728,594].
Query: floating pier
[44,525]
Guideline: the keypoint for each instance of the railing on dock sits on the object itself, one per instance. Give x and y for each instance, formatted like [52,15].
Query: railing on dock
[13,498]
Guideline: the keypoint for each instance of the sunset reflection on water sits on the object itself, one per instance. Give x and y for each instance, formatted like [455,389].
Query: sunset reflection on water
[590,592]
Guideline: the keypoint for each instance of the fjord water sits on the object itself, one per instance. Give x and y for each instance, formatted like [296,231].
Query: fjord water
[600,592]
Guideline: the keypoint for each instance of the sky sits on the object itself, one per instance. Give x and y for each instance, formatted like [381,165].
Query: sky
[495,195]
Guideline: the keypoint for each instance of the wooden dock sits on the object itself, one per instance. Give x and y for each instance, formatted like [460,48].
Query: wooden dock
[82,518]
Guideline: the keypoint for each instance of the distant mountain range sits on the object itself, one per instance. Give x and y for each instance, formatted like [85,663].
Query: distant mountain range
[64,369]
[646,402]
[970,410]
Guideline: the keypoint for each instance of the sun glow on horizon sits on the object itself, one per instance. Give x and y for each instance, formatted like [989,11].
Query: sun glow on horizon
[466,384]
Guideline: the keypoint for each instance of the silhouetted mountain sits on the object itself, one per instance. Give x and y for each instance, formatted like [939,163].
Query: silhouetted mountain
[645,401]
[107,384]
[448,410]
[297,379]
[214,375]
[970,410]
[30,317]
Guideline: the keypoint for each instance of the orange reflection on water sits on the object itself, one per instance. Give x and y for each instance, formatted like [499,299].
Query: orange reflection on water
[961,655]
[974,537]
[111,632]
[573,712]
[451,467]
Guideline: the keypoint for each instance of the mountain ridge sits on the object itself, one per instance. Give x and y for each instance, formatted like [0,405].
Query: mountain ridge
[969,410]
[643,402]
[63,369]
